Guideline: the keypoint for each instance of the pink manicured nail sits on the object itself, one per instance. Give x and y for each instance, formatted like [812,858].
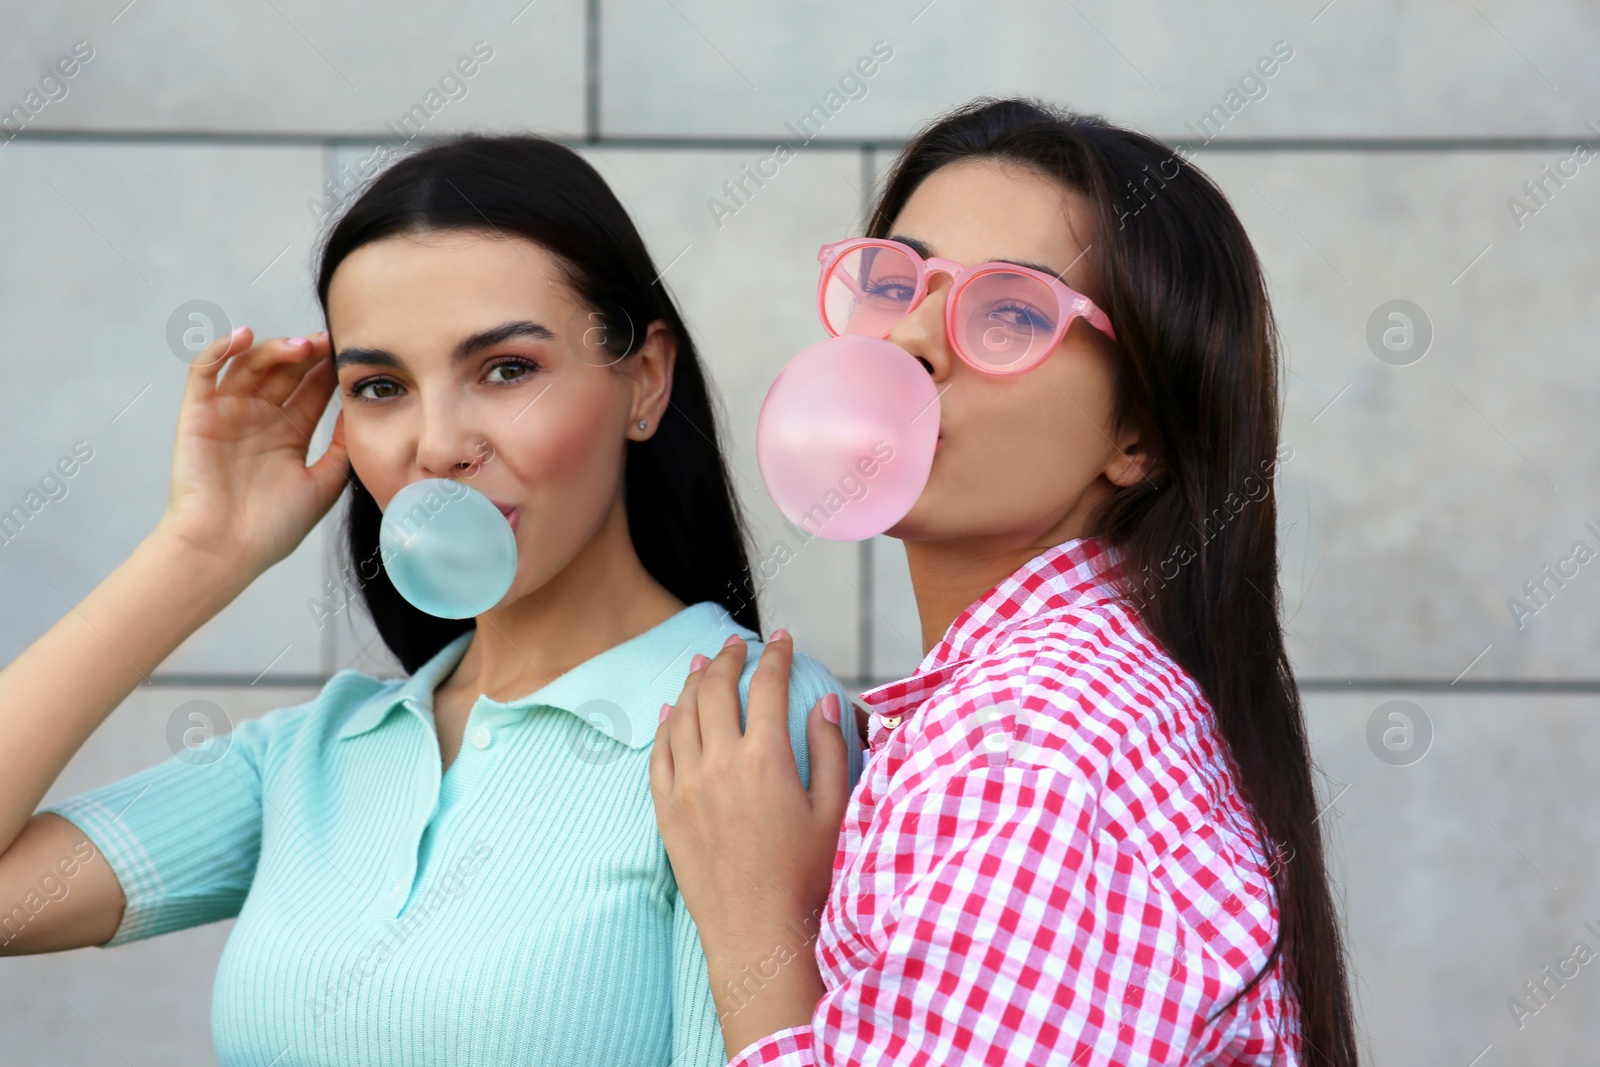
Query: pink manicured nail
[779,634]
[295,341]
[237,330]
[666,709]
[698,662]
[733,639]
[830,708]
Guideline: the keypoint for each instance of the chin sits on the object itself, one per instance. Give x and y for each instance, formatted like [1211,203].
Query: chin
[915,526]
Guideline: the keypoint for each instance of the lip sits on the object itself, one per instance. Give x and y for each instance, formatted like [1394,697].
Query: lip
[510,511]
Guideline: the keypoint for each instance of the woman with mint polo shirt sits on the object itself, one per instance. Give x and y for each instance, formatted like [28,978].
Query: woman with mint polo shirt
[461,866]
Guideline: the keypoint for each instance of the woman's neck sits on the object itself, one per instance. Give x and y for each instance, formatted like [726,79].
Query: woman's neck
[948,574]
[602,598]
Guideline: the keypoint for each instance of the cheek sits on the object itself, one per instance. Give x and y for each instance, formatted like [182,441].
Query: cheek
[380,459]
[567,470]
[572,446]
[1021,452]
[1074,409]
[1033,445]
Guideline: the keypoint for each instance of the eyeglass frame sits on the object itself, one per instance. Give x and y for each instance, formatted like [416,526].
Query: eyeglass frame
[1071,304]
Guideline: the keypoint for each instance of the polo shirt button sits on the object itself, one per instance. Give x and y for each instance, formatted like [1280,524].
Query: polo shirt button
[481,737]
[394,890]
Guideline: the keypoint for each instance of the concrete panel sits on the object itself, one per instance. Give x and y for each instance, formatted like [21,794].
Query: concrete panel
[1465,866]
[114,253]
[1353,68]
[1430,482]
[298,66]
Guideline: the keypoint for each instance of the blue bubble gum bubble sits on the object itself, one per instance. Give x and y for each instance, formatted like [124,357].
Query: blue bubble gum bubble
[447,549]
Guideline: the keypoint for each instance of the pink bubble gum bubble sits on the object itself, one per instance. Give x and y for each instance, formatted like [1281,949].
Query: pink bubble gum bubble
[846,436]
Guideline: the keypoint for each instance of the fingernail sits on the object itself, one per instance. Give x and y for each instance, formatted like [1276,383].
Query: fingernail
[733,639]
[779,634]
[830,708]
[237,330]
[698,662]
[666,709]
[295,341]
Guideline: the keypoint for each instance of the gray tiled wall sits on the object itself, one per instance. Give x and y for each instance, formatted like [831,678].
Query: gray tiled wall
[181,161]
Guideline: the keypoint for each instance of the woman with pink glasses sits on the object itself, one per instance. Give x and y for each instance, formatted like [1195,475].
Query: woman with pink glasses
[1086,832]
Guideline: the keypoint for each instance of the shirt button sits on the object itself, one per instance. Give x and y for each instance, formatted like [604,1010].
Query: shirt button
[394,890]
[481,737]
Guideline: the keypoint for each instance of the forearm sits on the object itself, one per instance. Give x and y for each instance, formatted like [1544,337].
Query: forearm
[769,983]
[54,695]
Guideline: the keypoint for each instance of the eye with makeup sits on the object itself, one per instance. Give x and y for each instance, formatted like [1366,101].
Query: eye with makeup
[524,367]
[888,290]
[1019,316]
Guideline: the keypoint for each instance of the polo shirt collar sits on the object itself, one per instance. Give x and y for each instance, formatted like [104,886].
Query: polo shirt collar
[618,692]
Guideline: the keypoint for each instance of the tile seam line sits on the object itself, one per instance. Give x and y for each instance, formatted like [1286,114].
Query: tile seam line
[1578,686]
[670,142]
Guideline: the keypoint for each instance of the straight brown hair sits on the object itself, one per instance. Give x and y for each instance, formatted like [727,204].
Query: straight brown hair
[1199,373]
[683,517]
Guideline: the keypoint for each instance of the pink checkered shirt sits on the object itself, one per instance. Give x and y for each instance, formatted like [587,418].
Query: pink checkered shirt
[1047,859]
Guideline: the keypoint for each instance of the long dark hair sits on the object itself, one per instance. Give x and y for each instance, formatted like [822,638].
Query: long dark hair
[1198,373]
[683,517]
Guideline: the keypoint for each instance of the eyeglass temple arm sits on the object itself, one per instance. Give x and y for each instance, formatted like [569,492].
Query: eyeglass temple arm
[1098,319]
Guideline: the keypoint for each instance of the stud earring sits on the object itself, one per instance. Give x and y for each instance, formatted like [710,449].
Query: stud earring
[643,424]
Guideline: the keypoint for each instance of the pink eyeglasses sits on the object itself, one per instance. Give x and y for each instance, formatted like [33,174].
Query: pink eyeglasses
[1000,318]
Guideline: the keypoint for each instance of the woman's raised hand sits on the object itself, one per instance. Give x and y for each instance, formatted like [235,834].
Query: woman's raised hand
[240,487]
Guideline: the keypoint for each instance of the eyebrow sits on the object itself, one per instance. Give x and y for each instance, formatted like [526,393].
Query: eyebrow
[925,252]
[521,329]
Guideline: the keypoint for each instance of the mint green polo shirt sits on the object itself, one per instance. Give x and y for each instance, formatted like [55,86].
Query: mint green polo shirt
[519,908]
